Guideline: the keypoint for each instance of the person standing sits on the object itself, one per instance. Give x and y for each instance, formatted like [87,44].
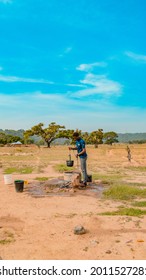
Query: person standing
[129,153]
[81,153]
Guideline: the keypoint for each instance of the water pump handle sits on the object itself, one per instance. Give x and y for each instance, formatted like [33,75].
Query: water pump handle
[69,156]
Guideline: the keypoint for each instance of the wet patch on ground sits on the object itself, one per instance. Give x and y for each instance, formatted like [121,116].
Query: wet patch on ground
[60,187]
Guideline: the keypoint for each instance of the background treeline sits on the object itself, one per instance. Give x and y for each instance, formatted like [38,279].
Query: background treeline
[9,136]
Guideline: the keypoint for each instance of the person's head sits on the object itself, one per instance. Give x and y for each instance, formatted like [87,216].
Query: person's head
[76,135]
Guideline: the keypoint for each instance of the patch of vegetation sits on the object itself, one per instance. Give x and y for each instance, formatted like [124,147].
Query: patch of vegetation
[21,170]
[71,215]
[5,241]
[136,184]
[139,203]
[106,179]
[90,214]
[42,178]
[125,212]
[7,238]
[10,170]
[85,249]
[124,192]
[62,168]
[137,168]
[19,150]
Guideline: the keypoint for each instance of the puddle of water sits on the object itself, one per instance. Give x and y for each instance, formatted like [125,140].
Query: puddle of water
[59,187]
[39,192]
[36,191]
[96,188]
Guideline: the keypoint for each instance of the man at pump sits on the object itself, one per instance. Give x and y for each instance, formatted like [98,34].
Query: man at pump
[81,153]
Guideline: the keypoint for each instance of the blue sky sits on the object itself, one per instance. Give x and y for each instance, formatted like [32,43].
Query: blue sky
[81,64]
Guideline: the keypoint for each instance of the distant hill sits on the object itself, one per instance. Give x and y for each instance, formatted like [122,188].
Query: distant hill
[122,137]
[126,137]
[13,132]
[19,133]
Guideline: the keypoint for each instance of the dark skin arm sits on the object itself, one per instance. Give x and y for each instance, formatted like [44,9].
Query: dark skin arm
[82,152]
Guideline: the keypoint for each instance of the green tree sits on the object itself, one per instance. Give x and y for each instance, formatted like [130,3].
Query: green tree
[86,137]
[67,133]
[11,139]
[3,138]
[96,137]
[7,138]
[29,141]
[110,137]
[48,134]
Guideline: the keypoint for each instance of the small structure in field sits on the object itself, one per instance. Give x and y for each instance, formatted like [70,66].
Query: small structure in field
[16,144]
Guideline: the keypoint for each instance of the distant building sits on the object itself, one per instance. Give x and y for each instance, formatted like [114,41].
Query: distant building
[16,144]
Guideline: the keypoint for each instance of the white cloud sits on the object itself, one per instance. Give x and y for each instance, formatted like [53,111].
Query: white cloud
[13,79]
[91,115]
[55,100]
[63,110]
[100,84]
[91,66]
[10,100]
[55,97]
[137,57]
[75,85]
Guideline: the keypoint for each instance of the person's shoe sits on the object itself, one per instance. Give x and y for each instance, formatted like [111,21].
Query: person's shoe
[82,186]
[83,183]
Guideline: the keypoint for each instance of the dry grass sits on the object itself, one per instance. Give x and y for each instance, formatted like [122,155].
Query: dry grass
[104,160]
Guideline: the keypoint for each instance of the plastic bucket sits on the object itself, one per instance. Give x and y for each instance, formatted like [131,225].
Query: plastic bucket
[68,176]
[19,185]
[69,163]
[8,179]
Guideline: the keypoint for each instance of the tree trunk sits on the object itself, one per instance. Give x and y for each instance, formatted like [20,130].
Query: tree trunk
[49,141]
[48,144]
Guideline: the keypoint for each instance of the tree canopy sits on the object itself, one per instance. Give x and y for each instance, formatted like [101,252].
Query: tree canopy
[50,133]
[110,137]
[96,137]
[7,138]
[40,135]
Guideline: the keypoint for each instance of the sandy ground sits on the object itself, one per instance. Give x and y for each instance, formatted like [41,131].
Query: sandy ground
[43,228]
